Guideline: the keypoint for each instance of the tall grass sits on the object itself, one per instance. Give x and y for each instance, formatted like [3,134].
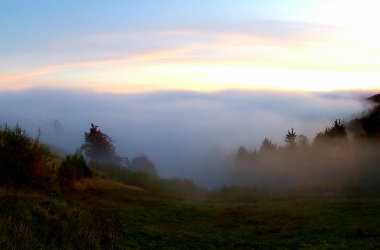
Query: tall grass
[37,222]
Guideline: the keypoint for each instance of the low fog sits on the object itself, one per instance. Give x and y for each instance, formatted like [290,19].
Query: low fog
[186,134]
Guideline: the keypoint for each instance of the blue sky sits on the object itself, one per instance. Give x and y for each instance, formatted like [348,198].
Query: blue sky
[139,46]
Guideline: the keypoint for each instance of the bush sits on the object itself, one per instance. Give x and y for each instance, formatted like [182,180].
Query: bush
[142,163]
[22,158]
[73,168]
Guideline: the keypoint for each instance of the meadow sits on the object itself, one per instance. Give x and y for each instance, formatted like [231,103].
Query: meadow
[101,214]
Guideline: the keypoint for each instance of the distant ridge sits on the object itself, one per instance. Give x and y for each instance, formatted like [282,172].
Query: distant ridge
[374,98]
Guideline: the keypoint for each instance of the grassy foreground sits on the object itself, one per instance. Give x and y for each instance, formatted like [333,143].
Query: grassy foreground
[102,214]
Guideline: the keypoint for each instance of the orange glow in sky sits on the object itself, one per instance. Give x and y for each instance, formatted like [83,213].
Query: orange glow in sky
[319,51]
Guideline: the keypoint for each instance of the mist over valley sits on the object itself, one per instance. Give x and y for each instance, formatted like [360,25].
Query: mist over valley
[186,134]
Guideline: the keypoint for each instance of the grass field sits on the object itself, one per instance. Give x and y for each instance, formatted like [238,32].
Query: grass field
[101,214]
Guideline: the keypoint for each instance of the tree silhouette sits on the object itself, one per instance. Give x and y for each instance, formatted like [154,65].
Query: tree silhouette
[99,146]
[241,153]
[337,131]
[143,164]
[302,141]
[371,123]
[290,139]
[267,146]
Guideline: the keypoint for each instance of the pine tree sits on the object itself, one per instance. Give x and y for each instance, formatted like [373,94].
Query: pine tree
[290,139]
[333,133]
[242,154]
[302,141]
[267,146]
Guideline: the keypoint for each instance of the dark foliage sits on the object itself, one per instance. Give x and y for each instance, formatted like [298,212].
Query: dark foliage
[302,141]
[374,98]
[371,123]
[335,132]
[242,154]
[73,168]
[22,158]
[367,124]
[290,139]
[99,146]
[267,146]
[143,164]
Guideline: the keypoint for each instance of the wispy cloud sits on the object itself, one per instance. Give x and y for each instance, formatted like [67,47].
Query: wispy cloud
[197,50]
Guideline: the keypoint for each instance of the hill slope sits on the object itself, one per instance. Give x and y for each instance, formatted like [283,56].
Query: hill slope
[106,215]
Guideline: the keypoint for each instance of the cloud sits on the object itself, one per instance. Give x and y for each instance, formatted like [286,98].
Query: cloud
[271,44]
[176,128]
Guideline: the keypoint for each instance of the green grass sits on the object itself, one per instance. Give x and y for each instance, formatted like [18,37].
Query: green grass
[106,215]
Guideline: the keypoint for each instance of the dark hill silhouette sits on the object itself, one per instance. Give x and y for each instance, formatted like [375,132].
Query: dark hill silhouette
[370,120]
[374,98]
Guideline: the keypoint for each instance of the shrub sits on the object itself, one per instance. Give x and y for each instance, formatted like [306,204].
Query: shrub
[142,163]
[73,168]
[22,158]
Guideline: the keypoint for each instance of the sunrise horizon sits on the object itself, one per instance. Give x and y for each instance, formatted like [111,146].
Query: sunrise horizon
[134,48]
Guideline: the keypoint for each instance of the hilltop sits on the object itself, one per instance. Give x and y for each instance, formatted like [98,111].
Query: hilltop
[374,98]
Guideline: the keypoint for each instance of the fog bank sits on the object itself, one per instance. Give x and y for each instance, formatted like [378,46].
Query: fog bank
[177,129]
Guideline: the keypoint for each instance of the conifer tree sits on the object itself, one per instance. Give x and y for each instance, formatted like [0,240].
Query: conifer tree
[302,141]
[336,131]
[242,154]
[267,146]
[290,139]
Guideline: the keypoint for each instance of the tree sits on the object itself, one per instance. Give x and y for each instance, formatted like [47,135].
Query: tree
[241,154]
[267,146]
[321,136]
[99,146]
[241,157]
[143,164]
[338,130]
[371,123]
[290,139]
[335,132]
[302,141]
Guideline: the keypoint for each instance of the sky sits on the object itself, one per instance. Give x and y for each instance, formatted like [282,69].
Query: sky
[140,46]
[172,79]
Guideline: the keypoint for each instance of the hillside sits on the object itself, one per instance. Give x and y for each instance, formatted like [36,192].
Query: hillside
[374,98]
[105,215]
[326,200]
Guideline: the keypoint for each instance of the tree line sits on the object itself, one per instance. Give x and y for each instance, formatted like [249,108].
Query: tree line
[331,157]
